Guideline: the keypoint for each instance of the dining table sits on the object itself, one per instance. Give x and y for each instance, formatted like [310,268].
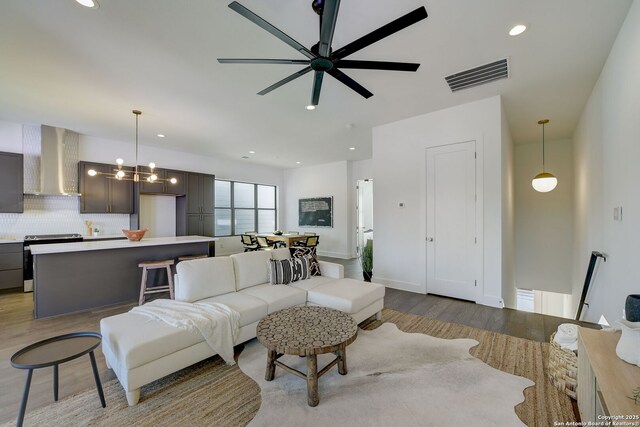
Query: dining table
[288,239]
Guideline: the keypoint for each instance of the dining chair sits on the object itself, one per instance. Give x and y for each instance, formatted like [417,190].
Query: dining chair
[266,244]
[310,242]
[253,233]
[308,233]
[248,243]
[293,233]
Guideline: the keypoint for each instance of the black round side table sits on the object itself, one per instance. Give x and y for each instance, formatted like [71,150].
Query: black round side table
[52,352]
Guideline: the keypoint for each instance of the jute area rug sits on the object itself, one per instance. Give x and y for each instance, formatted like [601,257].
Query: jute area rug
[213,394]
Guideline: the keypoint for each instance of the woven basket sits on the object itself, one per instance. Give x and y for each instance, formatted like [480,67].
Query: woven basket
[563,368]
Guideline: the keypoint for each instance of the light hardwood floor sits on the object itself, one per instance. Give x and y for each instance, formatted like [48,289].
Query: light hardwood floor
[18,329]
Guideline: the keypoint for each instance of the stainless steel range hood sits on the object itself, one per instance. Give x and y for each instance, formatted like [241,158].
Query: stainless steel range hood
[50,161]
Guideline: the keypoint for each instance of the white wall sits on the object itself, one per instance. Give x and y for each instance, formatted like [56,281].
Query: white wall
[10,137]
[607,174]
[331,179]
[544,221]
[509,294]
[399,175]
[158,215]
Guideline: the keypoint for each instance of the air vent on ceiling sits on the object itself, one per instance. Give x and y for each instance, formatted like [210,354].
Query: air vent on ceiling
[480,75]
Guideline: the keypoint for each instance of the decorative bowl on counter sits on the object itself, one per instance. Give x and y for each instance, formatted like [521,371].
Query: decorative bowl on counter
[134,235]
[277,233]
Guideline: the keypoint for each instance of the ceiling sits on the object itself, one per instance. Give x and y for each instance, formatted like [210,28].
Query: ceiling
[86,69]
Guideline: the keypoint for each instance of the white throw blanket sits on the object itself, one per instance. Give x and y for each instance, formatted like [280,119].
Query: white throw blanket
[567,336]
[217,323]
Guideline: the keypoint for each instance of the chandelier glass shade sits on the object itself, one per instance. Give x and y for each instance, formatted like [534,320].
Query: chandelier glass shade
[136,175]
[544,181]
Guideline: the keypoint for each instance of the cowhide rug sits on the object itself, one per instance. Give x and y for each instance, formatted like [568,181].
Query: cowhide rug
[395,378]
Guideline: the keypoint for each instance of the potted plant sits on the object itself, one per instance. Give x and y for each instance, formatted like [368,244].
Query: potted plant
[366,260]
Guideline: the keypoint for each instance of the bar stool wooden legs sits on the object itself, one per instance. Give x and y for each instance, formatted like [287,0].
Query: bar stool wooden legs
[154,265]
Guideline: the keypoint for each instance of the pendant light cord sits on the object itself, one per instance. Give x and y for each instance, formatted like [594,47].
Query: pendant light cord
[542,143]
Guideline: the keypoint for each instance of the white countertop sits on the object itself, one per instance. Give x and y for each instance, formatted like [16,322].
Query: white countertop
[104,237]
[99,245]
[10,241]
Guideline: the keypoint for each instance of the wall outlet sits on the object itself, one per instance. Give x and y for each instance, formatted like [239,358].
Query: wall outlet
[401,204]
[617,213]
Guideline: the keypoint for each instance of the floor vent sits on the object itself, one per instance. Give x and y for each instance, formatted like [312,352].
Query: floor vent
[478,76]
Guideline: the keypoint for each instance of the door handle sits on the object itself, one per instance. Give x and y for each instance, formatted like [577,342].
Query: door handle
[429,239]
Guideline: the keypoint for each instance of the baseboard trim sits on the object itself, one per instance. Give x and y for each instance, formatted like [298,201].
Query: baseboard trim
[340,255]
[397,284]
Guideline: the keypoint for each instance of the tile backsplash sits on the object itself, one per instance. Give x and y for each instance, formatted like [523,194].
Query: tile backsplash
[57,214]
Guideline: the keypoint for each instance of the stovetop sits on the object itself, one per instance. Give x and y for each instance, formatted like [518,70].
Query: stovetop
[53,238]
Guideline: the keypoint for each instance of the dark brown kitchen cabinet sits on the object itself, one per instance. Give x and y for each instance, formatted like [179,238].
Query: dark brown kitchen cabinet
[11,262]
[11,185]
[200,225]
[102,194]
[200,193]
[162,185]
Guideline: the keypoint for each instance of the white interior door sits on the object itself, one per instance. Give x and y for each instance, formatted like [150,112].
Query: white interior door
[451,220]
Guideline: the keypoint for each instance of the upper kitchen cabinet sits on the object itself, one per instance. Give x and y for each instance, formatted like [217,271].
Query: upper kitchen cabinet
[11,184]
[101,194]
[200,193]
[163,185]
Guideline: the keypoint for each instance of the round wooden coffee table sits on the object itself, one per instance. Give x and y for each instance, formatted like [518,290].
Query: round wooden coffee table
[307,331]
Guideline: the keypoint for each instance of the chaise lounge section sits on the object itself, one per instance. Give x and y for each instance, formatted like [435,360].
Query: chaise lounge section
[141,350]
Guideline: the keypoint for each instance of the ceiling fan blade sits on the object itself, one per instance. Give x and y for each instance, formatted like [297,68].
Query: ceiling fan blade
[342,77]
[237,7]
[285,81]
[263,61]
[386,30]
[328,26]
[317,85]
[376,65]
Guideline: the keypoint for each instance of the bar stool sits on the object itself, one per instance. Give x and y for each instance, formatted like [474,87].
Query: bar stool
[154,265]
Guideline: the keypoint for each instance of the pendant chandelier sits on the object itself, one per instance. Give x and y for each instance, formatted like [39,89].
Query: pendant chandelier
[544,181]
[123,175]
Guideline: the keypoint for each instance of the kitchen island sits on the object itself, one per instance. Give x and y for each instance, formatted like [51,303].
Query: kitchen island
[71,277]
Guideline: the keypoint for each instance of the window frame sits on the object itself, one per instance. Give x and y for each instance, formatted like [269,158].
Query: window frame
[255,208]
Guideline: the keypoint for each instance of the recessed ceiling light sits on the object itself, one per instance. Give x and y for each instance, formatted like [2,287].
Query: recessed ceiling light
[517,30]
[252,152]
[311,107]
[297,163]
[161,135]
[352,148]
[91,4]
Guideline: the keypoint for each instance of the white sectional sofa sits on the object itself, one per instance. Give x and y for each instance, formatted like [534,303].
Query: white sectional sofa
[141,350]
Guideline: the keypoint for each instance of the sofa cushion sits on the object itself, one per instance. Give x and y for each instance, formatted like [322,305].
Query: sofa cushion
[280,253]
[203,278]
[251,268]
[314,264]
[285,271]
[311,283]
[277,297]
[136,339]
[346,295]
[251,309]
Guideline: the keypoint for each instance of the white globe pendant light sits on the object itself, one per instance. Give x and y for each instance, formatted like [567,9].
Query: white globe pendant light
[544,181]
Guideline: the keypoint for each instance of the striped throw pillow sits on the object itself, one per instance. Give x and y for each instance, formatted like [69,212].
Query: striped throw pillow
[285,271]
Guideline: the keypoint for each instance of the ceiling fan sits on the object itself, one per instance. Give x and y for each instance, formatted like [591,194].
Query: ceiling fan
[321,58]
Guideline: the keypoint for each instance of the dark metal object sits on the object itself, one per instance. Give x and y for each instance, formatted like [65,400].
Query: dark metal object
[36,356]
[321,57]
[587,281]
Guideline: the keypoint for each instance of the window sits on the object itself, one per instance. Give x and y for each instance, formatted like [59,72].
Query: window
[241,207]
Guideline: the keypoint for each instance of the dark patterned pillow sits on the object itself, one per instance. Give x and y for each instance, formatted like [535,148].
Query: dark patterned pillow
[314,264]
[285,271]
